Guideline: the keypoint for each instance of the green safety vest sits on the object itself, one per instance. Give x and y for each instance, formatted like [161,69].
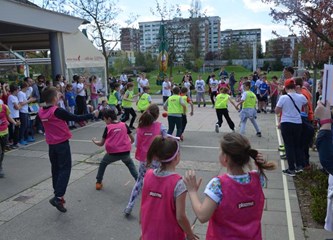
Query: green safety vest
[127,103]
[112,98]
[143,102]
[250,100]
[221,101]
[174,106]
[185,101]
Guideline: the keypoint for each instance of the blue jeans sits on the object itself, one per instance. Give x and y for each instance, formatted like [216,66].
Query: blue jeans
[291,134]
[248,113]
[24,119]
[110,158]
[61,165]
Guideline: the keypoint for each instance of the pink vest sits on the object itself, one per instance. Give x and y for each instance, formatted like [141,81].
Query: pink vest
[56,130]
[3,118]
[158,208]
[238,217]
[117,139]
[145,137]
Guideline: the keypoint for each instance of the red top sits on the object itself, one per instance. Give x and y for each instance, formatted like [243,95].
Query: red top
[117,139]
[3,117]
[238,217]
[158,208]
[145,137]
[56,130]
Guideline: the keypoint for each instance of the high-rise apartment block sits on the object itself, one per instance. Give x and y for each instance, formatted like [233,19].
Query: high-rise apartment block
[281,47]
[130,39]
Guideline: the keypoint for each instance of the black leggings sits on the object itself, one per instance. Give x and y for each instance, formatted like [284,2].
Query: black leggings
[212,95]
[81,105]
[128,112]
[224,112]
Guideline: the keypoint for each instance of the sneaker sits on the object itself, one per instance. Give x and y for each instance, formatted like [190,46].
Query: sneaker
[258,134]
[99,186]
[204,104]
[58,203]
[22,142]
[217,130]
[40,132]
[127,211]
[264,110]
[31,139]
[199,105]
[289,172]
[283,157]
[13,146]
[258,111]
[299,170]
[2,174]
[281,148]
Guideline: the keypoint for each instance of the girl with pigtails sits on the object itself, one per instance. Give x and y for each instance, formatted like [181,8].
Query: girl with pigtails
[234,201]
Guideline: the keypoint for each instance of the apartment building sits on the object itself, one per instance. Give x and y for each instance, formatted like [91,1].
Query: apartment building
[282,47]
[130,39]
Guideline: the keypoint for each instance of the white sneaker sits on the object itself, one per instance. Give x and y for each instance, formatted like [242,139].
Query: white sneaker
[217,130]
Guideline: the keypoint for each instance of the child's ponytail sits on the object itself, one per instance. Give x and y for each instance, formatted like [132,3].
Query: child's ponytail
[261,165]
[149,116]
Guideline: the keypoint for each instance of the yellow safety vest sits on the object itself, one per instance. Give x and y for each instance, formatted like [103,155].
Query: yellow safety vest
[185,101]
[250,100]
[127,103]
[112,98]
[221,101]
[174,106]
[143,102]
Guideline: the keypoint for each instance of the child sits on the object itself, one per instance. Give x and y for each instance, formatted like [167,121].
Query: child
[176,107]
[147,130]
[70,103]
[263,94]
[187,85]
[57,134]
[214,85]
[117,138]
[127,105]
[164,195]
[234,201]
[4,119]
[248,102]
[221,106]
[14,107]
[200,89]
[187,101]
[61,99]
[144,100]
[115,98]
[93,91]
[104,105]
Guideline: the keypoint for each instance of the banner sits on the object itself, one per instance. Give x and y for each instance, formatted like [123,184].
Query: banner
[327,88]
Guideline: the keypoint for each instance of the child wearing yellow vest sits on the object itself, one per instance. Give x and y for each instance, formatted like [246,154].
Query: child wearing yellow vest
[248,102]
[144,101]
[175,107]
[221,107]
[127,105]
[114,97]
[187,101]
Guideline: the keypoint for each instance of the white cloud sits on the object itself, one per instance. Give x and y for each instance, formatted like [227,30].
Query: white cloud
[257,5]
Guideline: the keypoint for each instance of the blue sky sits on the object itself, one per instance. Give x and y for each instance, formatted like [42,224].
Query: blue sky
[235,14]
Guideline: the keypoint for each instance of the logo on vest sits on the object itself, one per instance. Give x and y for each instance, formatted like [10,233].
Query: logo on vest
[117,130]
[44,120]
[148,134]
[155,194]
[246,204]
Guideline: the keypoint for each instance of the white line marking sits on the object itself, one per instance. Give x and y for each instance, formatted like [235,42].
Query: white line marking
[286,192]
[208,147]
[80,140]
[127,183]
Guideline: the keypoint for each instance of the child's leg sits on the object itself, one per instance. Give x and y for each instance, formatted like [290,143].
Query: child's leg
[132,112]
[130,165]
[184,122]
[179,126]
[138,185]
[231,124]
[3,141]
[198,98]
[219,117]
[212,97]
[203,98]
[171,123]
[126,115]
[61,162]
[24,125]
[255,124]
[107,159]
[243,119]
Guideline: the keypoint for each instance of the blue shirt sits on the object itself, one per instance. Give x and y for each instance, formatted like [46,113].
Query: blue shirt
[263,88]
[253,85]
[70,98]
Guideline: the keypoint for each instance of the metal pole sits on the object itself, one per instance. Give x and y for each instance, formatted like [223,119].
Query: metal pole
[254,68]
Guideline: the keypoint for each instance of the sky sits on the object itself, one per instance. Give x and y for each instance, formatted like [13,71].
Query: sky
[234,14]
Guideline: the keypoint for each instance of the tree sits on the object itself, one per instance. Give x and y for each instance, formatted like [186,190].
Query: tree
[309,15]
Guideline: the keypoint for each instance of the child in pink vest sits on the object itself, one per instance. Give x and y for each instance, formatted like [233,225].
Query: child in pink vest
[163,214]
[57,135]
[118,140]
[234,201]
[4,121]
[147,130]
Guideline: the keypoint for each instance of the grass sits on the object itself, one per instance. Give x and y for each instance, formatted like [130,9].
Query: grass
[178,73]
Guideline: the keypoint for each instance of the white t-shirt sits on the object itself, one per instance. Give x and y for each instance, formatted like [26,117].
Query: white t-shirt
[144,82]
[22,97]
[187,85]
[13,112]
[200,85]
[80,86]
[214,84]
[289,112]
[28,92]
[257,84]
[166,92]
[138,81]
